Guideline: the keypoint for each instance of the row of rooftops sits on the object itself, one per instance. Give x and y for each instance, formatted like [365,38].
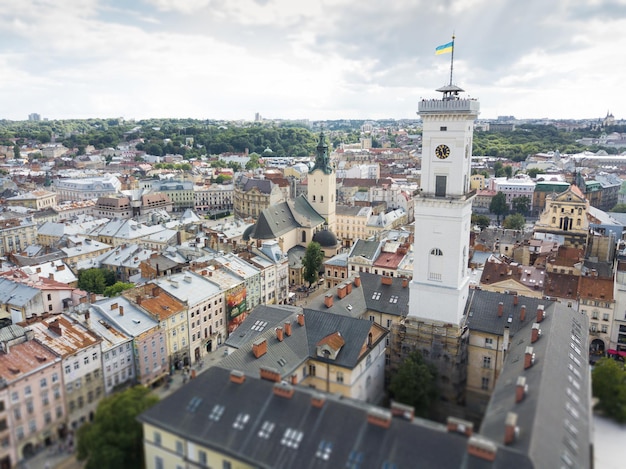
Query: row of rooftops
[538,415]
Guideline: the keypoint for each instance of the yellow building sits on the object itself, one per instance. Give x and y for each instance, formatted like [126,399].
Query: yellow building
[35,200]
[352,223]
[564,219]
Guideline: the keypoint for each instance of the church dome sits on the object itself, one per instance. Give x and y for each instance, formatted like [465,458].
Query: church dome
[325,238]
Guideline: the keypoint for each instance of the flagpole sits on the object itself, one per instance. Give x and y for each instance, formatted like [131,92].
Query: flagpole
[452,60]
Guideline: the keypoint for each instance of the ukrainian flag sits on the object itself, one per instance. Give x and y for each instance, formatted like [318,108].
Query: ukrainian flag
[444,49]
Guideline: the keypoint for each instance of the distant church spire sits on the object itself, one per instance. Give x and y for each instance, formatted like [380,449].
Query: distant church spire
[322,160]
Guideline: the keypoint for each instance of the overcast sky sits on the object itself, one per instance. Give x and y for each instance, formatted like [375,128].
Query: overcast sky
[315,59]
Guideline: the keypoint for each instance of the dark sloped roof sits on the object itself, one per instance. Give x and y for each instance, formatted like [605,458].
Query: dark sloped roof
[388,299]
[553,418]
[340,427]
[274,222]
[365,248]
[304,209]
[482,311]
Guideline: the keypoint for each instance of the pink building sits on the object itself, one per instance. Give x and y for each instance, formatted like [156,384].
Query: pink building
[32,408]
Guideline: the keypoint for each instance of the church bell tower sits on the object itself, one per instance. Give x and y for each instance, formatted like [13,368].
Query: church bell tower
[443,210]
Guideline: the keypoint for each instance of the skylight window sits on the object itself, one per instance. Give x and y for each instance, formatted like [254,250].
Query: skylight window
[574,359]
[572,410]
[573,396]
[216,413]
[393,299]
[194,403]
[574,348]
[573,382]
[574,370]
[376,296]
[241,421]
[266,429]
[259,326]
[292,438]
[324,450]
[354,460]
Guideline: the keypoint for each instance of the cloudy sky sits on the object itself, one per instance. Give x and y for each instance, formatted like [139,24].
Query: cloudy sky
[315,59]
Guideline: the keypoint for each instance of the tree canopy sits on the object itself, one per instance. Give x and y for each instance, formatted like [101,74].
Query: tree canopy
[498,205]
[521,205]
[95,280]
[114,439]
[481,221]
[312,262]
[117,288]
[608,381]
[414,384]
[514,222]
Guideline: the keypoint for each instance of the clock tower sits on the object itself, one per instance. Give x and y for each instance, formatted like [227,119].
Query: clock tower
[443,210]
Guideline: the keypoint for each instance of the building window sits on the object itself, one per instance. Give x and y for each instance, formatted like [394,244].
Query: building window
[179,447]
[202,457]
[488,342]
[158,462]
[486,362]
[157,439]
[340,377]
[605,317]
[312,370]
[484,384]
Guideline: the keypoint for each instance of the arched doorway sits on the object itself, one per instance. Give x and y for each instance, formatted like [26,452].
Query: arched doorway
[28,451]
[209,346]
[597,347]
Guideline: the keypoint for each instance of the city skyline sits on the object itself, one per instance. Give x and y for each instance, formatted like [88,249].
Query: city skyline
[211,59]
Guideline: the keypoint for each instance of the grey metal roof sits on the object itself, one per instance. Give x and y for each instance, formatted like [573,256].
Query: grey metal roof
[15,293]
[365,248]
[389,299]
[481,311]
[554,417]
[249,422]
[274,222]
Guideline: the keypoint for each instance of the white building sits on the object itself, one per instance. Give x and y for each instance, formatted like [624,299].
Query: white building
[86,188]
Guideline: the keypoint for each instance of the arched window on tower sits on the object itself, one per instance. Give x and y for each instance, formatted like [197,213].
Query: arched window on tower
[304,236]
[435,264]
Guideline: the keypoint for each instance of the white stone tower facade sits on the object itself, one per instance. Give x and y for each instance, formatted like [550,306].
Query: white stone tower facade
[440,285]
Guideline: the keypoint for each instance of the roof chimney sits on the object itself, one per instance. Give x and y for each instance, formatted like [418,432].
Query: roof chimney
[138,299]
[379,417]
[328,300]
[237,377]
[87,316]
[520,389]
[269,374]
[511,430]
[348,288]
[55,327]
[317,400]
[529,357]
[283,389]
[287,328]
[500,309]
[461,426]
[515,299]
[51,276]
[541,314]
[259,347]
[482,448]
[341,291]
[386,280]
[294,379]
[279,334]
[522,313]
[121,311]
[535,333]
[405,282]
[404,411]
[156,291]
[301,319]
[92,298]
[357,281]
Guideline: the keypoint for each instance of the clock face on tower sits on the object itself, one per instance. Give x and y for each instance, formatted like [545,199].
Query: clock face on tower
[442,152]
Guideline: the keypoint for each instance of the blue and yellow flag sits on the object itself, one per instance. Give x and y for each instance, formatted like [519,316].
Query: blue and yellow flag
[444,49]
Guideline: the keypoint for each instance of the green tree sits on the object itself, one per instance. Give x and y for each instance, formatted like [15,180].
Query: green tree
[253,162]
[312,262]
[608,381]
[498,205]
[498,169]
[508,171]
[532,172]
[481,221]
[92,280]
[619,208]
[414,384]
[222,178]
[114,439]
[16,151]
[521,205]
[117,288]
[514,222]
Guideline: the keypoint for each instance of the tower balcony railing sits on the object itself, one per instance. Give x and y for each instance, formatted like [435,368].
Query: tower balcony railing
[459,197]
[469,105]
